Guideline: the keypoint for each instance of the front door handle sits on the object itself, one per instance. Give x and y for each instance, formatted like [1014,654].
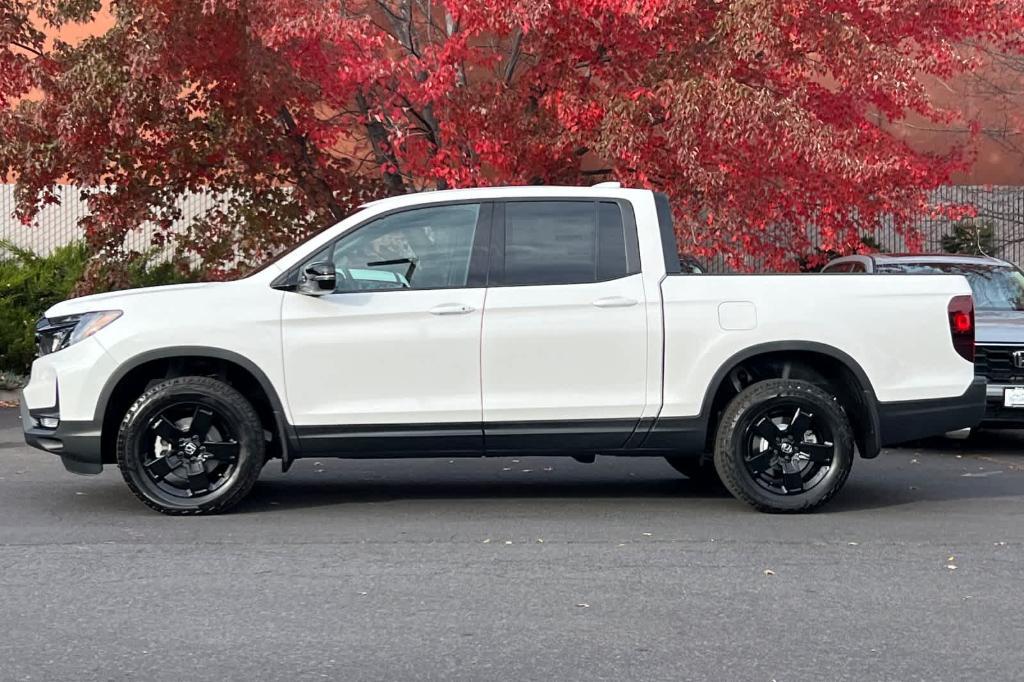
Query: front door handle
[615,302]
[451,309]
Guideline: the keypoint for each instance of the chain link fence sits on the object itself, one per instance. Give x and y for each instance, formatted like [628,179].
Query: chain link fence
[998,208]
[57,224]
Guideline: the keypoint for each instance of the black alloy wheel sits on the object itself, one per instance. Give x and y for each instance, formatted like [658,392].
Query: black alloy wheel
[784,445]
[191,445]
[789,449]
[192,450]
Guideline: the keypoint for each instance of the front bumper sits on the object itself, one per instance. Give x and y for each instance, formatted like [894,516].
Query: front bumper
[907,420]
[64,388]
[77,443]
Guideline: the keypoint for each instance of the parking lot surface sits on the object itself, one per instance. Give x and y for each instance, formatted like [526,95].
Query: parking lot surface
[533,568]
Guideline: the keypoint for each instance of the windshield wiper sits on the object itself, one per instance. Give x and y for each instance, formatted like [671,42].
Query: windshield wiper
[398,261]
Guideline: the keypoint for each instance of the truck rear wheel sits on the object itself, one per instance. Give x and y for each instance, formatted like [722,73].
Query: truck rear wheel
[190,445]
[784,446]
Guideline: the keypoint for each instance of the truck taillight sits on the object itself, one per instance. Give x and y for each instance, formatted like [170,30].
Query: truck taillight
[961,325]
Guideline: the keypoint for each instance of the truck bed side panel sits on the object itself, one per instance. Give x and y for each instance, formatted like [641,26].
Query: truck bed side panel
[895,326]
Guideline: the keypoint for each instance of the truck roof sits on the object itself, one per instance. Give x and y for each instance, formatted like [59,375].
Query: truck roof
[553,191]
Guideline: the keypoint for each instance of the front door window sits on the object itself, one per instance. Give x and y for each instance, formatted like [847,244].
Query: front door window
[425,248]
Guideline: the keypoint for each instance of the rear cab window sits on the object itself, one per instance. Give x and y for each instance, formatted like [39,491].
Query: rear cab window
[557,242]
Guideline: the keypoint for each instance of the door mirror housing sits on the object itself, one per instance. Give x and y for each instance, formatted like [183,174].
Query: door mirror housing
[318,279]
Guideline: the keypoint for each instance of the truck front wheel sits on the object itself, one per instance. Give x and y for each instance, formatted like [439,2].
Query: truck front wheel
[784,446]
[191,445]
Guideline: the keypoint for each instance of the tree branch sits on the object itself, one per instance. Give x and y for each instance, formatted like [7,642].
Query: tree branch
[27,48]
[513,56]
[307,178]
[379,143]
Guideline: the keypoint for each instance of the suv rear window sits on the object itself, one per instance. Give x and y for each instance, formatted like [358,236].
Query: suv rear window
[995,287]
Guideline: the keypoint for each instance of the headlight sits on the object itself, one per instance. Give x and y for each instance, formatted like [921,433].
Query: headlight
[57,333]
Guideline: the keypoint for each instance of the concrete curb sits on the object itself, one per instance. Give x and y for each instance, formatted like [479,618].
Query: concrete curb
[10,396]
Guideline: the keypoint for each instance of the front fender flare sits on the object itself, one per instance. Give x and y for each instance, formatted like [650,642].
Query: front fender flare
[285,432]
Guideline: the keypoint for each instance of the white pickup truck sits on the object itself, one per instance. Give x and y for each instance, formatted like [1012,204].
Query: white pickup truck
[491,322]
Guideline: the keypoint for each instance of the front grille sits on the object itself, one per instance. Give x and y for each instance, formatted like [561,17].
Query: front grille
[996,364]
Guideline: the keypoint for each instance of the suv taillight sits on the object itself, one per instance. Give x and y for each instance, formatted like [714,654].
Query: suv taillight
[961,325]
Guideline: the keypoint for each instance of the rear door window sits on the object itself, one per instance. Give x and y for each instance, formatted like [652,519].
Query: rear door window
[564,242]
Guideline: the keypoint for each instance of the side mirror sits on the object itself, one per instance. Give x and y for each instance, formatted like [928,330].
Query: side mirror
[318,279]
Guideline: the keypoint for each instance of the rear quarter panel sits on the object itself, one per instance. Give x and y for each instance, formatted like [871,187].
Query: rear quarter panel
[895,327]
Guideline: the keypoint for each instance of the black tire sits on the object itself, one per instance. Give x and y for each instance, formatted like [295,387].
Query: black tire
[782,467]
[700,469]
[191,445]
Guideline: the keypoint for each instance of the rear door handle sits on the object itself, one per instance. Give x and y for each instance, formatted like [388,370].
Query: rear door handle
[615,302]
[451,309]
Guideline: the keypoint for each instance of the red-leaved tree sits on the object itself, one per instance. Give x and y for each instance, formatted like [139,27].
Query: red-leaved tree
[762,119]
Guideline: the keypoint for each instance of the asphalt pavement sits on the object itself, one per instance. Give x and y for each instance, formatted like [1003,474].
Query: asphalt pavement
[528,569]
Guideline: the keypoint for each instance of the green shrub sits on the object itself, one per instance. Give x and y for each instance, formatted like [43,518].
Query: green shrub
[10,381]
[145,271]
[971,237]
[29,284]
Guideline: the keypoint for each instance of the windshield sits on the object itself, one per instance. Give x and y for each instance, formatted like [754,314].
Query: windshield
[995,287]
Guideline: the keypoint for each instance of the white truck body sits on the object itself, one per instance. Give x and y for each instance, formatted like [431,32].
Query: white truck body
[631,363]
